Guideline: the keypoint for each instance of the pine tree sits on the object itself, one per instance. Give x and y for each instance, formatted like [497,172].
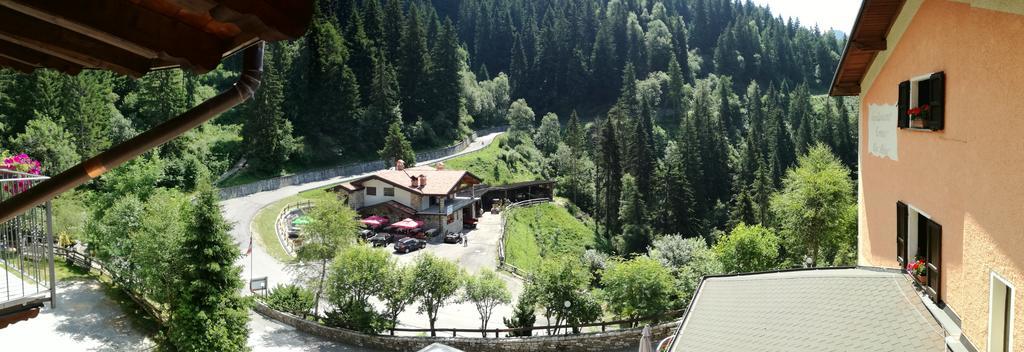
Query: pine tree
[675,99]
[636,230]
[161,96]
[609,177]
[643,156]
[373,24]
[628,99]
[384,105]
[575,135]
[266,134]
[209,313]
[446,108]
[675,211]
[393,29]
[361,53]
[802,118]
[413,68]
[604,66]
[519,67]
[397,147]
[329,92]
[89,113]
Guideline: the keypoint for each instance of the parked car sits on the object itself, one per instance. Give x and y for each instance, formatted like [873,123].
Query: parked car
[453,237]
[409,244]
[380,240]
[366,234]
[469,223]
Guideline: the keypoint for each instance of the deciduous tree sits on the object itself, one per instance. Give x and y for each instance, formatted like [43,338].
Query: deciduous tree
[811,207]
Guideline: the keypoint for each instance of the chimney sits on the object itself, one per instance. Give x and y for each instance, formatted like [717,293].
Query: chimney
[415,181]
[439,166]
[399,165]
[423,180]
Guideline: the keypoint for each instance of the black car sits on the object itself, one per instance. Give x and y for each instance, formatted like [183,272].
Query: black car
[380,239]
[366,234]
[409,244]
[452,237]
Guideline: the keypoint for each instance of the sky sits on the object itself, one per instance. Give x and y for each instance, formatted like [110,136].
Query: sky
[836,14]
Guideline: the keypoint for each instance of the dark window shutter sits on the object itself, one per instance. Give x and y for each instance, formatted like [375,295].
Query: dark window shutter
[904,104]
[934,288]
[901,234]
[937,105]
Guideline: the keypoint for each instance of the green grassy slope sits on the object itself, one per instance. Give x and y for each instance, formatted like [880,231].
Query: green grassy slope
[544,231]
[488,164]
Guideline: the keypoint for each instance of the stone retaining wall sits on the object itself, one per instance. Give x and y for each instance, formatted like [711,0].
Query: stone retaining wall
[587,342]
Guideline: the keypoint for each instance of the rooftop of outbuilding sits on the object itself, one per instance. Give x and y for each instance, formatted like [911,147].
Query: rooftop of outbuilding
[849,309]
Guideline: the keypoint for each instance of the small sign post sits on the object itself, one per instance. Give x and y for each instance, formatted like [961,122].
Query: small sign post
[258,285]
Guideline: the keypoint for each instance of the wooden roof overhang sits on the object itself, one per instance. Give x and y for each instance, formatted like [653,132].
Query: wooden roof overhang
[867,38]
[133,37]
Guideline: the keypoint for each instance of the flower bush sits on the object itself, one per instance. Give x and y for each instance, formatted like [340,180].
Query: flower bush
[918,267]
[21,163]
[919,112]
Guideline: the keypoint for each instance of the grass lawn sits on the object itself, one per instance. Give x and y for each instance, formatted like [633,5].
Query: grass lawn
[487,164]
[264,221]
[544,231]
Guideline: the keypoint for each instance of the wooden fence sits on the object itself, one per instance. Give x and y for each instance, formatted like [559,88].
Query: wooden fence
[281,224]
[502,264]
[93,265]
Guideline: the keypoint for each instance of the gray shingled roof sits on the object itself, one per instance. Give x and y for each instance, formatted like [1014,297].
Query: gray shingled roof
[823,310]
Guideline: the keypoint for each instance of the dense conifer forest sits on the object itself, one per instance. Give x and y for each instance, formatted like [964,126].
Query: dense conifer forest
[655,116]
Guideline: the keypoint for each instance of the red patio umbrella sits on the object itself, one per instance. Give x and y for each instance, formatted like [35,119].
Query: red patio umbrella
[374,221]
[407,224]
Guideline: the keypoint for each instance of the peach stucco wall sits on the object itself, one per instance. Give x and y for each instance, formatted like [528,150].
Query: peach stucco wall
[970,177]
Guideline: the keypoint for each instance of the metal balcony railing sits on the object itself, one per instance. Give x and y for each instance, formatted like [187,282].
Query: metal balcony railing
[26,249]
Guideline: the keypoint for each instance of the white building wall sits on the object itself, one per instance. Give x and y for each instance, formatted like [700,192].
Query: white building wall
[401,195]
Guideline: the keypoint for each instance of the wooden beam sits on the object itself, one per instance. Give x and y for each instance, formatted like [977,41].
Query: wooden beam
[870,45]
[37,59]
[66,45]
[15,64]
[76,27]
[288,17]
[137,25]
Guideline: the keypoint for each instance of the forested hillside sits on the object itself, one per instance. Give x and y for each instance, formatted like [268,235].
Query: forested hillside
[680,116]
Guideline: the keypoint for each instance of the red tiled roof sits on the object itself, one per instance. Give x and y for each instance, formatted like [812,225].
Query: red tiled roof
[439,182]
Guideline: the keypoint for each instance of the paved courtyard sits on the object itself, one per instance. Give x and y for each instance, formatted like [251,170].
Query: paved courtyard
[480,253]
[85,319]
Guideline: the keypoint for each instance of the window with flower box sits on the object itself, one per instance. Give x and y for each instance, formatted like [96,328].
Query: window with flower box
[922,102]
[919,248]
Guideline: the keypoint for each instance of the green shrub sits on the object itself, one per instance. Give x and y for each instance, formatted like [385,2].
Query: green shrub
[358,316]
[292,299]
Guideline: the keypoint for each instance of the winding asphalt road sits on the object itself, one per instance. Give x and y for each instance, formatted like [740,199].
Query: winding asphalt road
[267,334]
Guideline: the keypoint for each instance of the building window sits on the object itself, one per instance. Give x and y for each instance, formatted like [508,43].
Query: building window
[371,191]
[922,102]
[1000,315]
[919,238]
[389,191]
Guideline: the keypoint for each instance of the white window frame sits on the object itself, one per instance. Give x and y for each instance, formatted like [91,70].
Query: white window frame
[991,292]
[913,224]
[385,192]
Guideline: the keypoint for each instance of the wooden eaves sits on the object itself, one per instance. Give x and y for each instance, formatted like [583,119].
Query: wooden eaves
[133,37]
[867,38]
